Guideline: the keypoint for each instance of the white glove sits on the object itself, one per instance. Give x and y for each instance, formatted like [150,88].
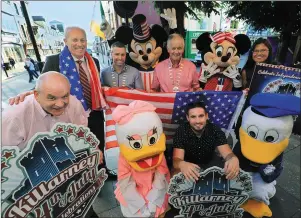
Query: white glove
[106,29]
[269,169]
[208,71]
[170,16]
[232,73]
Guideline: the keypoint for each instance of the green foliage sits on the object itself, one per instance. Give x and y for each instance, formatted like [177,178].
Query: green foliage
[278,15]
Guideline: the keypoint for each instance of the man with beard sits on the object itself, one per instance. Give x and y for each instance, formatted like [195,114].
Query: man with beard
[195,143]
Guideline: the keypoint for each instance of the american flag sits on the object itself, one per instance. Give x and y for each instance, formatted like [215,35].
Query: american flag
[222,108]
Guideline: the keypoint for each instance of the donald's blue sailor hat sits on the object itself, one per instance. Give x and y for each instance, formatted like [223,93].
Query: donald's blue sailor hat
[275,105]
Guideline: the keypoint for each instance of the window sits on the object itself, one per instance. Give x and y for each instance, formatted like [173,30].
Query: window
[16,9]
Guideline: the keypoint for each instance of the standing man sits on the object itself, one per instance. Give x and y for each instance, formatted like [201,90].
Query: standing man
[78,66]
[12,62]
[175,74]
[195,143]
[120,74]
[30,69]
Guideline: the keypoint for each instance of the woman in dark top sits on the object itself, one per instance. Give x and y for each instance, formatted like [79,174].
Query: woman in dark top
[261,52]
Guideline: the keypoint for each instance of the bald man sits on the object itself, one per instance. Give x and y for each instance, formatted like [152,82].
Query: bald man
[51,103]
[71,61]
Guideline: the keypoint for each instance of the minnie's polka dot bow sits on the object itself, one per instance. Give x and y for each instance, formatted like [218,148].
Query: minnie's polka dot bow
[221,36]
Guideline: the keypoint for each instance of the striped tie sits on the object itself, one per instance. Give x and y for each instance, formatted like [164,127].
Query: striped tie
[85,83]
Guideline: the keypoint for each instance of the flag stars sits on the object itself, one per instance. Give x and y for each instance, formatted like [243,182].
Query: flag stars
[67,65]
[65,72]
[74,69]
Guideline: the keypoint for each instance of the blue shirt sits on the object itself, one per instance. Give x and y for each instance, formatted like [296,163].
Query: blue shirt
[128,77]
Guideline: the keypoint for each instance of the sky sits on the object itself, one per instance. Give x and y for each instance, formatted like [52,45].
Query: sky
[71,13]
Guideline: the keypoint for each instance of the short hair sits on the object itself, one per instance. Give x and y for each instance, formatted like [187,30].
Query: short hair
[118,45]
[174,35]
[199,104]
[68,29]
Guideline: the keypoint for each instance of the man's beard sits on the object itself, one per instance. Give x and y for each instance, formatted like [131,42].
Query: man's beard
[198,131]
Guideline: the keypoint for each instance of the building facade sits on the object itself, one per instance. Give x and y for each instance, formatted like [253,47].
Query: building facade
[13,32]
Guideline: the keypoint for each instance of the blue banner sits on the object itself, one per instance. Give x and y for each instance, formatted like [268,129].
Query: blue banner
[268,78]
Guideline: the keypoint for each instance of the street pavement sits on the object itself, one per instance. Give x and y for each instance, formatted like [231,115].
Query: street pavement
[285,204]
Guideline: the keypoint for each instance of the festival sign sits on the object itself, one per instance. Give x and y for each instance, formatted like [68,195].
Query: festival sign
[277,79]
[56,175]
[211,196]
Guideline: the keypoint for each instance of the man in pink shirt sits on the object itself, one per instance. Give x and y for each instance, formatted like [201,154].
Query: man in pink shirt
[51,103]
[175,74]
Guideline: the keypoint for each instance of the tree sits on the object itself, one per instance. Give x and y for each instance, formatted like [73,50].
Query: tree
[186,7]
[282,17]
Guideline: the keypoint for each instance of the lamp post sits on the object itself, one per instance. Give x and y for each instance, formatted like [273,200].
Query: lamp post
[31,35]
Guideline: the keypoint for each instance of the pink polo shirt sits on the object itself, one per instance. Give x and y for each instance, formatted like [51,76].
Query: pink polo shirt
[20,122]
[163,80]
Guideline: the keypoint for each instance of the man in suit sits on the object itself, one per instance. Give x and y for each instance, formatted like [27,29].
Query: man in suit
[53,62]
[71,62]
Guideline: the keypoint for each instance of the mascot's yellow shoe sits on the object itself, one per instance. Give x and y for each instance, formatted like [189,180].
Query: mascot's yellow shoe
[257,209]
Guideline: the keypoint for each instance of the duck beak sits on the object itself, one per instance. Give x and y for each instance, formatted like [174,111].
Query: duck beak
[259,151]
[146,158]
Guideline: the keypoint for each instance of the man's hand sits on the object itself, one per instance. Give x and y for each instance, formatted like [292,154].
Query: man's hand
[232,167]
[100,157]
[19,98]
[190,170]
[208,71]
[170,16]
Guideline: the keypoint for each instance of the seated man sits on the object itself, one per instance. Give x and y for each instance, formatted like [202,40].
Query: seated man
[195,143]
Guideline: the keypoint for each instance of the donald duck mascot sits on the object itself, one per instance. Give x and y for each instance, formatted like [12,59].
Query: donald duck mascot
[143,175]
[264,135]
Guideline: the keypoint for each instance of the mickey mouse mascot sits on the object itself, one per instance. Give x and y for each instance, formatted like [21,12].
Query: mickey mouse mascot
[145,43]
[264,135]
[220,55]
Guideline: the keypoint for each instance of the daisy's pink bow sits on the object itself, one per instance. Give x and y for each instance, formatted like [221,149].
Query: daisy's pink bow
[221,36]
[123,114]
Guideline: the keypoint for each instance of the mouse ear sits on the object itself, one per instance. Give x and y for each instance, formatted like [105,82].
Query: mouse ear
[243,43]
[124,34]
[203,41]
[159,34]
